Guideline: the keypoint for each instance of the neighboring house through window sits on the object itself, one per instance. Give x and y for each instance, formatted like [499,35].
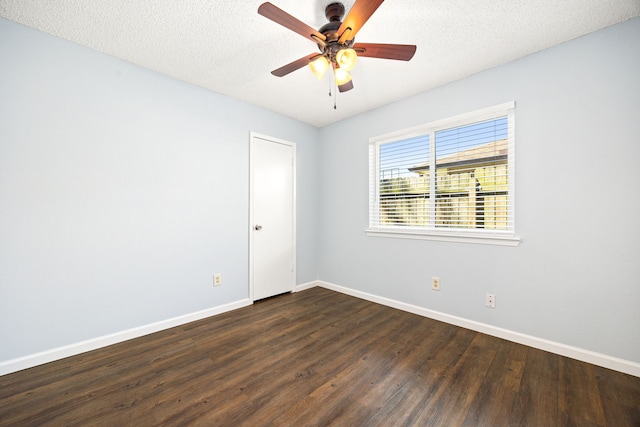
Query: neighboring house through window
[472,187]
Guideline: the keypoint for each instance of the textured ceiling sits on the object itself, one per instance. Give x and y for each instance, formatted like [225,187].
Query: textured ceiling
[225,46]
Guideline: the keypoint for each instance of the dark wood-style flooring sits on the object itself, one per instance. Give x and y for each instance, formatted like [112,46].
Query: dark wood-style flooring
[319,358]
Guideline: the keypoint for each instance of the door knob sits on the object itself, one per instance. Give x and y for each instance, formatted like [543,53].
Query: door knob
[258,227]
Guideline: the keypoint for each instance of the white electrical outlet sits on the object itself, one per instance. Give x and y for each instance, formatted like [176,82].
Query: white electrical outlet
[490,301]
[435,283]
[217,279]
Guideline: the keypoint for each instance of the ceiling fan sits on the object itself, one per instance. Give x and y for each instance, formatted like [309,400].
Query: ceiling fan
[336,41]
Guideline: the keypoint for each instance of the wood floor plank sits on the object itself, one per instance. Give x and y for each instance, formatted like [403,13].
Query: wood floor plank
[466,376]
[318,358]
[579,403]
[497,398]
[425,377]
[352,379]
[538,396]
[620,396]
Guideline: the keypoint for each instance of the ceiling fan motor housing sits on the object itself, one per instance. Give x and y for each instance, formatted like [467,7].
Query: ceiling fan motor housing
[334,12]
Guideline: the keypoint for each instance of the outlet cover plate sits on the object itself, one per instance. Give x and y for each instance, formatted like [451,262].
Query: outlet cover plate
[490,301]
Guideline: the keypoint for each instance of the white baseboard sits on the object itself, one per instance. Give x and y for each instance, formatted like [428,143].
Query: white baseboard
[305,286]
[621,365]
[610,362]
[32,360]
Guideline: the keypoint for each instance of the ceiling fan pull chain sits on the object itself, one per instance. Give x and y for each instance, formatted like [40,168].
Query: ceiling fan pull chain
[332,82]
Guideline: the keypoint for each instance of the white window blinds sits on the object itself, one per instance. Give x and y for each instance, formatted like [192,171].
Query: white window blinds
[403,195]
[454,176]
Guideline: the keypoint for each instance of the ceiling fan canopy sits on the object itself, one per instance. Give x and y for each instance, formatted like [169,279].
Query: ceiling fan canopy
[336,41]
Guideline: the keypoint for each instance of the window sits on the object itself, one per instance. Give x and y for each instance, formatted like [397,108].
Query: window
[448,180]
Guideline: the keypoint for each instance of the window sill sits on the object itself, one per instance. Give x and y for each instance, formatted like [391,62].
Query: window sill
[494,239]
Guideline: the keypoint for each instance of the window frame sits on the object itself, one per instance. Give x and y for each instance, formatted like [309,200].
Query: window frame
[431,232]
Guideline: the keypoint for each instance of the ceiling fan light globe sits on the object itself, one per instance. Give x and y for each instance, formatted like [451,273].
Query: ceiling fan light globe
[319,67]
[347,58]
[342,76]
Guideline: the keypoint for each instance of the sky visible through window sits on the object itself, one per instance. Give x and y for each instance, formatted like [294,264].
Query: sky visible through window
[397,157]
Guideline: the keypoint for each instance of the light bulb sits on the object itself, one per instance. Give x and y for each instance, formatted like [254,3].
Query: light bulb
[347,58]
[342,76]
[319,66]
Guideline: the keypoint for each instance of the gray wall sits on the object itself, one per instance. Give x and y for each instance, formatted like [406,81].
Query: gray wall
[575,278]
[121,192]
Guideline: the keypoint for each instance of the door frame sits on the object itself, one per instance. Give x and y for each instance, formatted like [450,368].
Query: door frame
[252,137]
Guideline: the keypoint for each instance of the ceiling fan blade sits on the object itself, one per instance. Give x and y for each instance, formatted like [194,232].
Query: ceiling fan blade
[345,87]
[293,66]
[356,18]
[401,52]
[281,17]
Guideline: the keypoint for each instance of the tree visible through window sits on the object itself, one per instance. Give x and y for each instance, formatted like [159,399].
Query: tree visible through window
[445,178]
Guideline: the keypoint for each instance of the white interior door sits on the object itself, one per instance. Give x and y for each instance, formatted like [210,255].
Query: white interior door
[272,217]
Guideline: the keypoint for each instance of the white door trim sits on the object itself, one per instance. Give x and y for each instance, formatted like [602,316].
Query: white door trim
[252,137]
